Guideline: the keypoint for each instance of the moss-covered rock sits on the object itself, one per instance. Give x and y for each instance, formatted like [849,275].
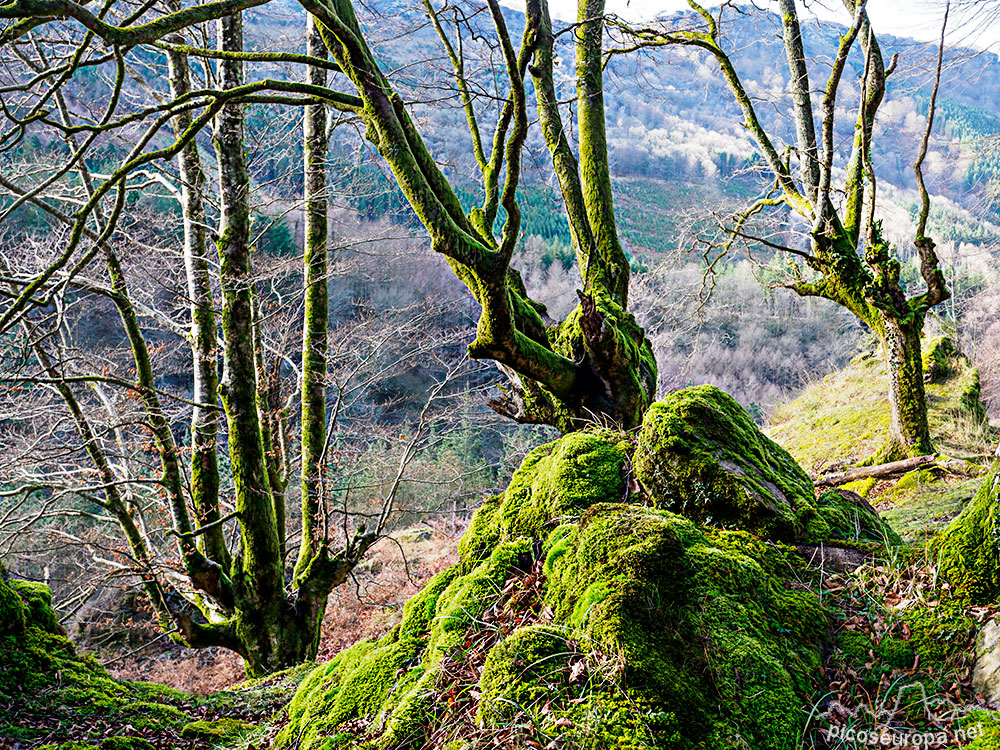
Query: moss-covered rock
[43,679]
[218,730]
[701,455]
[581,616]
[852,518]
[968,550]
[38,602]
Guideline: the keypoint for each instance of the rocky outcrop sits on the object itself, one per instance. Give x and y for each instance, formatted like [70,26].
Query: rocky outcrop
[587,611]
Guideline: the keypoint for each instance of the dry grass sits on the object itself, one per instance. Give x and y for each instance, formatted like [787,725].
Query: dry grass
[363,608]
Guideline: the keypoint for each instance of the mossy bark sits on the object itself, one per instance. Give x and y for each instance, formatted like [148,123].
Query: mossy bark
[909,432]
[314,343]
[268,627]
[597,364]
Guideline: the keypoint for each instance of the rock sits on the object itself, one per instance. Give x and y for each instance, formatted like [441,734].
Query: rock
[701,455]
[833,557]
[967,551]
[579,608]
[42,676]
[986,670]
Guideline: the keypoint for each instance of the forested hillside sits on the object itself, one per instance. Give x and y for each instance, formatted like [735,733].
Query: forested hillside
[406,374]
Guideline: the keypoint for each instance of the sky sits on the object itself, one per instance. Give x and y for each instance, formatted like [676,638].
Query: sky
[973,23]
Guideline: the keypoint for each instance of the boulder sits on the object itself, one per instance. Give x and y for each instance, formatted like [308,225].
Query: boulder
[701,455]
[579,615]
[43,680]
[986,670]
[968,550]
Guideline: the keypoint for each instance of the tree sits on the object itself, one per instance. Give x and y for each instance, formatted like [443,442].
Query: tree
[594,365]
[849,260]
[242,600]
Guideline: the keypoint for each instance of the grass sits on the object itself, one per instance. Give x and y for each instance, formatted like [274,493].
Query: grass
[923,508]
[844,419]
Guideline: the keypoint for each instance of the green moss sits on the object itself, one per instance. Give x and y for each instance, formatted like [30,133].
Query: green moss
[968,550]
[658,634]
[896,653]
[38,600]
[13,612]
[856,647]
[941,635]
[126,743]
[220,729]
[701,455]
[851,518]
[109,743]
[862,486]
[42,676]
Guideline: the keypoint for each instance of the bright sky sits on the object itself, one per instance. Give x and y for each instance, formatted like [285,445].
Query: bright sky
[974,23]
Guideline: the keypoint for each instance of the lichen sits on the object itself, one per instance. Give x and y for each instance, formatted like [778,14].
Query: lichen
[650,631]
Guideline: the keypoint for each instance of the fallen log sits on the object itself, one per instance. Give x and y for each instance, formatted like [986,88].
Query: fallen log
[882,470]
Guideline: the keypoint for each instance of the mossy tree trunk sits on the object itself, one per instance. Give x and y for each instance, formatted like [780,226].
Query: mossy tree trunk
[909,433]
[272,626]
[848,260]
[597,363]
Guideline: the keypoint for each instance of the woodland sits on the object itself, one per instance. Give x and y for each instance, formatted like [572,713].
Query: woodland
[462,375]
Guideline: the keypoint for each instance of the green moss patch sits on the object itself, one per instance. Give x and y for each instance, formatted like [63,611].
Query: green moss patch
[700,454]
[968,550]
[581,616]
[850,517]
[920,508]
[52,694]
[218,730]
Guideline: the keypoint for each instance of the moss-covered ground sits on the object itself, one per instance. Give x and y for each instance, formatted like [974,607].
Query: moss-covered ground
[586,612]
[627,590]
[51,697]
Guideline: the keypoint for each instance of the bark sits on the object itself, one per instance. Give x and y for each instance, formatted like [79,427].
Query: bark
[314,327]
[204,342]
[595,365]
[260,598]
[882,470]
[909,433]
[805,125]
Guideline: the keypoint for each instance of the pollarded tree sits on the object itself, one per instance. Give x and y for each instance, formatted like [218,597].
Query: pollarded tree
[850,261]
[597,363]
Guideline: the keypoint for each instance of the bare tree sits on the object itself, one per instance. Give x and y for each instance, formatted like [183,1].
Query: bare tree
[849,261]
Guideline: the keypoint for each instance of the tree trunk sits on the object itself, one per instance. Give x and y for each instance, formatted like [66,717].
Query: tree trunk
[204,343]
[909,433]
[261,605]
[316,314]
